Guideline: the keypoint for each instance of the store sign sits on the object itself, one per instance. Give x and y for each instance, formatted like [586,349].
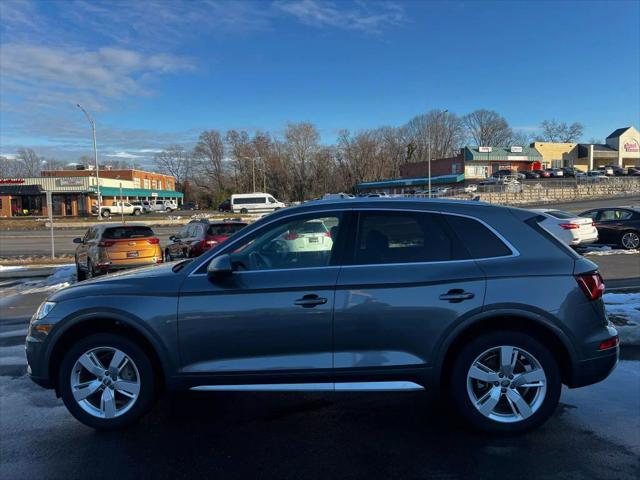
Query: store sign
[11,180]
[516,149]
[154,194]
[70,182]
[631,146]
[485,149]
[517,157]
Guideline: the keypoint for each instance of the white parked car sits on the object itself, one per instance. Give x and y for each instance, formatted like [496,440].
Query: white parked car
[118,208]
[145,204]
[471,188]
[312,236]
[254,203]
[568,227]
[163,205]
[596,176]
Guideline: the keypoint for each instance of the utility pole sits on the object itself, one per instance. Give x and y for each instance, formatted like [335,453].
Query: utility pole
[441,112]
[95,156]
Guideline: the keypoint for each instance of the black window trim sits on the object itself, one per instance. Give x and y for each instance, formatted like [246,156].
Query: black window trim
[350,215]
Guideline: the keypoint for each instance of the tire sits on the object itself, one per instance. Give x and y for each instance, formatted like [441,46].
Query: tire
[630,240]
[136,379]
[167,209]
[167,256]
[507,415]
[80,274]
[91,273]
[137,212]
[105,214]
[244,211]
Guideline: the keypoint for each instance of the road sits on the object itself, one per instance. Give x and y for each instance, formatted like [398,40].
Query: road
[594,434]
[37,242]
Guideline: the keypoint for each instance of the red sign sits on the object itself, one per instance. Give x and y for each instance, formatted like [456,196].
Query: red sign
[11,180]
[631,147]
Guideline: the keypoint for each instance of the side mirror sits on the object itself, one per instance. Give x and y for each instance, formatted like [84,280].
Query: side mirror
[220,267]
[172,238]
[77,240]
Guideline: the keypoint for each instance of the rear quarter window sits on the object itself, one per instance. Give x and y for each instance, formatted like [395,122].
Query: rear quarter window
[479,240]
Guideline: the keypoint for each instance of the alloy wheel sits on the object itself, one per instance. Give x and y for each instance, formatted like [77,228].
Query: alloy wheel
[506,384]
[105,382]
[630,240]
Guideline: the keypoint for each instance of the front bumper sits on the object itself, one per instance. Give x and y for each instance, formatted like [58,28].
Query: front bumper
[37,367]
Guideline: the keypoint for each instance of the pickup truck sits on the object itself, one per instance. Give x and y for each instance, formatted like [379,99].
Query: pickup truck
[117,208]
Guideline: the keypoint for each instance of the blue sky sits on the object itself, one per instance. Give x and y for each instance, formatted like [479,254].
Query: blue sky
[155,73]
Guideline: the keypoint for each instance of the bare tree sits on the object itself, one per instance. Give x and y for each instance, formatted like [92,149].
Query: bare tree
[440,131]
[554,131]
[487,128]
[520,138]
[31,163]
[210,150]
[175,161]
[10,168]
[302,145]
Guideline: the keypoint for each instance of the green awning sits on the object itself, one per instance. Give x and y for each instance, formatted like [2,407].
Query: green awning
[410,182]
[138,192]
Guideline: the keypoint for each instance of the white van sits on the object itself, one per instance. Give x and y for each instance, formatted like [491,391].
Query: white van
[254,203]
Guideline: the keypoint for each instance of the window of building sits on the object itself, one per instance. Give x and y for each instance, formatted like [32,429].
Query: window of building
[153,185]
[159,184]
[146,183]
[136,182]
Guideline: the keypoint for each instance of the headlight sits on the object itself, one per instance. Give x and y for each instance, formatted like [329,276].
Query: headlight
[43,310]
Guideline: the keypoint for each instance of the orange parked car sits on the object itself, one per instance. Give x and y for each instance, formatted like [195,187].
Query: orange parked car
[116,246]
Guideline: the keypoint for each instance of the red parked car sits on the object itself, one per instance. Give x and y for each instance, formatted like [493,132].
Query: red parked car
[542,173]
[198,236]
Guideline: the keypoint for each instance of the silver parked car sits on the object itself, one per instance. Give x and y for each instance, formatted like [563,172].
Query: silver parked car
[410,294]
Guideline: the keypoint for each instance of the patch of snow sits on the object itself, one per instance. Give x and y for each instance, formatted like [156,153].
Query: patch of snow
[609,251]
[4,268]
[63,276]
[623,309]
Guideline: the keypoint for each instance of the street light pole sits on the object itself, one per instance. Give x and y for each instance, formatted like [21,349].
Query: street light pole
[440,112]
[95,155]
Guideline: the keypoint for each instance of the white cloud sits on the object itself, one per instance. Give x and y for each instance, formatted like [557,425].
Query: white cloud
[124,155]
[371,17]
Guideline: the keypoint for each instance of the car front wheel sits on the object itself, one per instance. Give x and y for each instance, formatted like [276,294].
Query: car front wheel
[505,382]
[106,381]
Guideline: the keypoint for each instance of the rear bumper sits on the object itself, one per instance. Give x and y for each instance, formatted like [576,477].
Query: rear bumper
[594,370]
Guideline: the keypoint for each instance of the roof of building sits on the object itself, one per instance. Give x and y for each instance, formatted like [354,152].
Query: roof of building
[499,153]
[617,132]
[409,182]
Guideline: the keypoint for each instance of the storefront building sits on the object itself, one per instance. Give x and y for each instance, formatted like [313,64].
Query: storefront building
[622,148]
[70,196]
[482,162]
[554,155]
[139,178]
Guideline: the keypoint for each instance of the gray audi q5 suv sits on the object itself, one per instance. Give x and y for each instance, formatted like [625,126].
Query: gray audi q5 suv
[367,294]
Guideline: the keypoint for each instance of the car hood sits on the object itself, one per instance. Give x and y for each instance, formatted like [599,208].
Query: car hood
[154,280]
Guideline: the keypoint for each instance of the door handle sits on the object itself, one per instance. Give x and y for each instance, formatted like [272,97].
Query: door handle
[310,301]
[457,295]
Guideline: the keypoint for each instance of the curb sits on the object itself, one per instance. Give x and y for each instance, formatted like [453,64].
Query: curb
[28,272]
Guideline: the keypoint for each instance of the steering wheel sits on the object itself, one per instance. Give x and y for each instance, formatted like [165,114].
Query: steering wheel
[259,261]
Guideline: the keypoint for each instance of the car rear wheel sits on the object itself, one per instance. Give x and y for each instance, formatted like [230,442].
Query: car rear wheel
[106,214]
[106,381]
[137,212]
[167,256]
[630,240]
[505,382]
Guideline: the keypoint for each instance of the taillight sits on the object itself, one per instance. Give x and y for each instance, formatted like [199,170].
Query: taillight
[569,226]
[153,241]
[291,236]
[210,243]
[327,234]
[593,224]
[591,284]
[609,343]
[106,243]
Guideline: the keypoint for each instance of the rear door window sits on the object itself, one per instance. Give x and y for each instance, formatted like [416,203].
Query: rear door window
[225,228]
[404,237]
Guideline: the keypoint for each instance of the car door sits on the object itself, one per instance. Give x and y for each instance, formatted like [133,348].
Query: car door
[83,248]
[272,315]
[405,282]
[610,224]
